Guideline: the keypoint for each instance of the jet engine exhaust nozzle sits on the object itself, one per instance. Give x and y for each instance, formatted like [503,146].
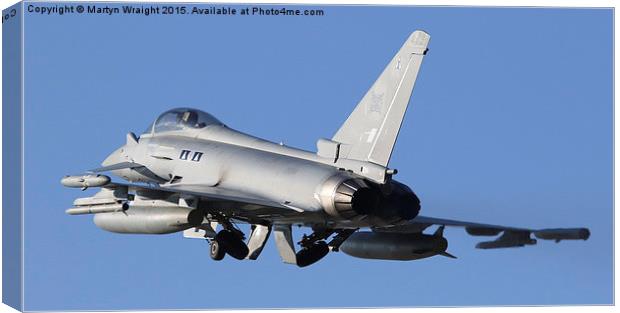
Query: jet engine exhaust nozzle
[350,198]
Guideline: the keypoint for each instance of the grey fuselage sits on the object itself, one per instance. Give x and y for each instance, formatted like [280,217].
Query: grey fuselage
[302,181]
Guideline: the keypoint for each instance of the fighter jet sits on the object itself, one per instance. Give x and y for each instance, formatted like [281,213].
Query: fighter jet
[189,172]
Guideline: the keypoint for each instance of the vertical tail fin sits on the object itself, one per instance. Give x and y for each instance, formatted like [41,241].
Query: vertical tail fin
[370,131]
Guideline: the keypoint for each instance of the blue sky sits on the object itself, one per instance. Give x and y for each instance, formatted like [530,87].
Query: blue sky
[510,123]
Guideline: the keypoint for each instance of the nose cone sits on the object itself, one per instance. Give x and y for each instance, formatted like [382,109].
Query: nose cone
[118,156]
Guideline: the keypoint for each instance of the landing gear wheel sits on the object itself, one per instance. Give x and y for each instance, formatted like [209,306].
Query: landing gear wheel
[216,252]
[311,255]
[232,244]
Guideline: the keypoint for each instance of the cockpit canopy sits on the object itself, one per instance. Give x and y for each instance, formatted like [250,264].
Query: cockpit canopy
[182,119]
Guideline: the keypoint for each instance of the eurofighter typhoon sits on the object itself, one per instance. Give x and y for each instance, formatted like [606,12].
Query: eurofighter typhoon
[189,172]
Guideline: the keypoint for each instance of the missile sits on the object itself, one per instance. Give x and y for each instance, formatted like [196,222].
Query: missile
[97,209]
[558,234]
[516,238]
[85,181]
[509,239]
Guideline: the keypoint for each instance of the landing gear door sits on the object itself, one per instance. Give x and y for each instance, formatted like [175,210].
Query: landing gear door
[257,240]
[283,236]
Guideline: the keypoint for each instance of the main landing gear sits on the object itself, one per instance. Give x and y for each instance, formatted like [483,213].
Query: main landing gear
[312,253]
[228,242]
[313,247]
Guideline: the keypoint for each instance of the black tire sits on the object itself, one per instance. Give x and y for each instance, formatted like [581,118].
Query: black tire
[232,244]
[216,251]
[311,255]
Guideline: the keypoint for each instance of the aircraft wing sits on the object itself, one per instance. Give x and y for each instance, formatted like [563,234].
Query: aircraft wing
[118,166]
[510,236]
[207,192]
[240,206]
